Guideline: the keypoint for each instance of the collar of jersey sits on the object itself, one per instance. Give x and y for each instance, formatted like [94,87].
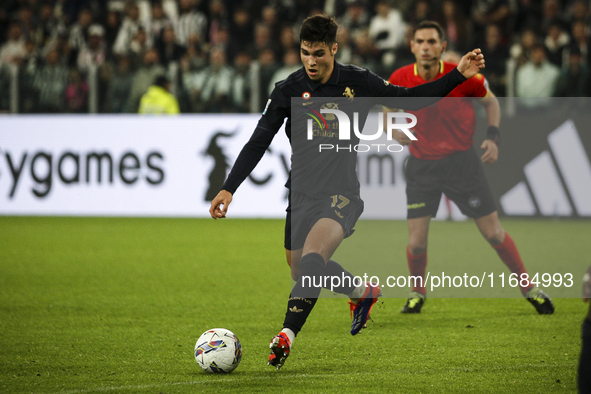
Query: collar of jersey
[333,80]
[416,68]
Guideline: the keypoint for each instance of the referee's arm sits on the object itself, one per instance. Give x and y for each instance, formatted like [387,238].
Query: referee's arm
[492,108]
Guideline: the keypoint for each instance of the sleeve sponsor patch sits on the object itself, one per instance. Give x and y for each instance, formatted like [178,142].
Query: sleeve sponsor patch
[267,106]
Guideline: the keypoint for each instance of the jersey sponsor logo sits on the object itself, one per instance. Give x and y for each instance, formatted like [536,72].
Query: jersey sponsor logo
[329,116]
[416,205]
[350,93]
[320,121]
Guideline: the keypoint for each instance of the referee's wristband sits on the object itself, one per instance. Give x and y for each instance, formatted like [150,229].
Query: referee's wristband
[492,133]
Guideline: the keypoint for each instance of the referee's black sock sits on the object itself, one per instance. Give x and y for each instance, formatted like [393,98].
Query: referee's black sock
[305,292]
[338,276]
[585,360]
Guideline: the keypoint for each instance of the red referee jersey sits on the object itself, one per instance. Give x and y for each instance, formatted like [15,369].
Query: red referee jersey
[448,126]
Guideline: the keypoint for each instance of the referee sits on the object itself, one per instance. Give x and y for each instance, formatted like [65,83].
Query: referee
[442,160]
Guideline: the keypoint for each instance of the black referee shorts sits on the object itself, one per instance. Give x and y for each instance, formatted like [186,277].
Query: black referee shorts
[303,212]
[460,176]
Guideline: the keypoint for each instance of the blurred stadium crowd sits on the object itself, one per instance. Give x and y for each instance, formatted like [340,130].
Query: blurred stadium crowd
[80,56]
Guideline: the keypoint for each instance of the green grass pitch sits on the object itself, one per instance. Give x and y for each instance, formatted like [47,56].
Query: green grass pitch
[99,305]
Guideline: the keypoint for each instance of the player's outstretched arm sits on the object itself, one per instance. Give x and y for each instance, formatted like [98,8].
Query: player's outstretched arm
[471,63]
[219,205]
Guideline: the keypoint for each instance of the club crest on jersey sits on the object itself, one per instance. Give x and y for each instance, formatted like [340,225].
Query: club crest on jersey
[350,93]
[306,95]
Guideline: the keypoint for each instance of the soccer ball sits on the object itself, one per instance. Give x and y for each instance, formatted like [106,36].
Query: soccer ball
[218,351]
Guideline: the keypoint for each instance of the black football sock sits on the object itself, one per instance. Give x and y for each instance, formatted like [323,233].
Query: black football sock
[585,360]
[340,280]
[305,292]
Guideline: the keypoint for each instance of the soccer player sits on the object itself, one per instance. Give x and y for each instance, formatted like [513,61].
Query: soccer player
[442,160]
[314,229]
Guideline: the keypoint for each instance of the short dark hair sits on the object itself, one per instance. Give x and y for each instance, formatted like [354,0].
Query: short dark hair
[161,80]
[430,25]
[319,28]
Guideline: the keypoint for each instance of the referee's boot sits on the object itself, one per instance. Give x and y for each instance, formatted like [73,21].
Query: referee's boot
[414,303]
[540,301]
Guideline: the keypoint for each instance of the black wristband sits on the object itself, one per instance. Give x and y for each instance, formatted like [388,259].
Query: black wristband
[459,75]
[492,133]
